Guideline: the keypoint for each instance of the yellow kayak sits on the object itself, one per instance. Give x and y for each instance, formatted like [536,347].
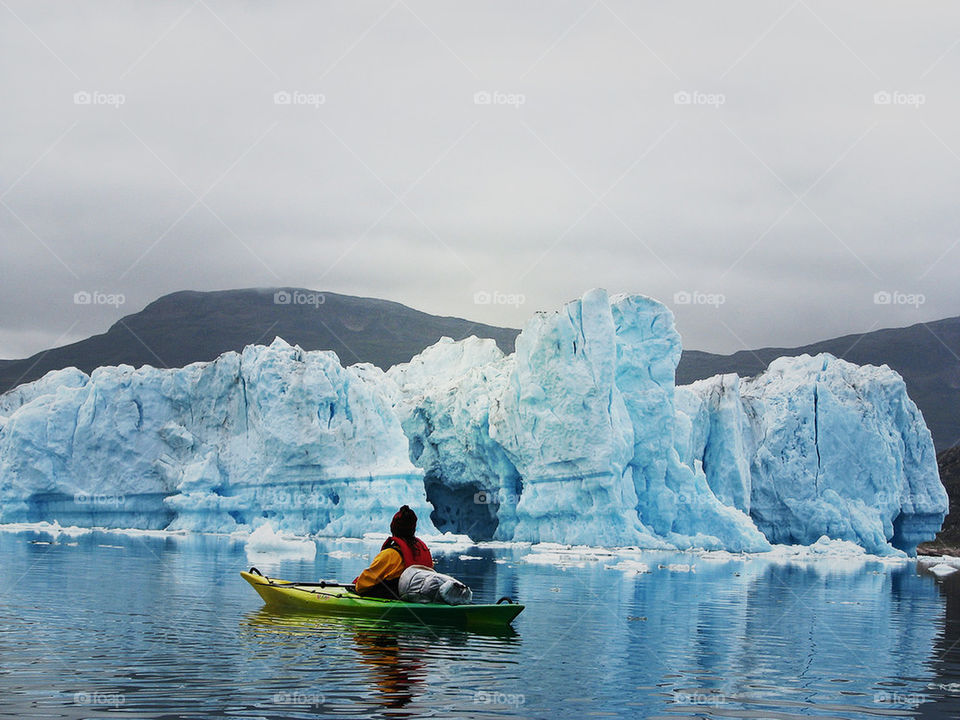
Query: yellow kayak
[333,599]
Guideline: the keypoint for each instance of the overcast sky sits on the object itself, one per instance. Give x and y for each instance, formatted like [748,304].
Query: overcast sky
[732,159]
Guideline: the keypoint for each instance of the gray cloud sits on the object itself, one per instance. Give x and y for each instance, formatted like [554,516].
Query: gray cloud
[778,180]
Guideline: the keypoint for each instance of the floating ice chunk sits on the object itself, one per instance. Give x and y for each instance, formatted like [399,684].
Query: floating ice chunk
[53,529]
[265,541]
[631,567]
[448,538]
[553,558]
[927,560]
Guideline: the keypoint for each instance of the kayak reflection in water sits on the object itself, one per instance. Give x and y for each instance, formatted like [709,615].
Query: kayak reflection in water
[401,550]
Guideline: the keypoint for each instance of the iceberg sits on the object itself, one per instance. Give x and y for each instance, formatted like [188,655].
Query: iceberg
[272,433]
[579,437]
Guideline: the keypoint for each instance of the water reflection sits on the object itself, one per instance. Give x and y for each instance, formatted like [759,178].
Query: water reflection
[399,659]
[166,627]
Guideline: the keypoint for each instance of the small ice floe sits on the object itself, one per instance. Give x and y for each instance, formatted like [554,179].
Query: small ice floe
[503,545]
[564,556]
[138,532]
[558,559]
[927,560]
[53,529]
[724,556]
[831,555]
[471,557]
[939,566]
[823,547]
[265,541]
[342,554]
[942,570]
[679,567]
[630,567]
[448,542]
[449,537]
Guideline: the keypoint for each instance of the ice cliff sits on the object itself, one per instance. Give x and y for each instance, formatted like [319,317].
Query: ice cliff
[580,436]
[270,433]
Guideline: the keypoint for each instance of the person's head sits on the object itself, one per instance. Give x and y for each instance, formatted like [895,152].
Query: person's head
[404,523]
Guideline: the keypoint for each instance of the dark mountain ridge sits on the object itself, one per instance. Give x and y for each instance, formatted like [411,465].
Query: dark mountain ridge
[189,326]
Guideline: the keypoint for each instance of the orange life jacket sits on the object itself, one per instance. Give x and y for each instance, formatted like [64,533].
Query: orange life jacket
[416,553]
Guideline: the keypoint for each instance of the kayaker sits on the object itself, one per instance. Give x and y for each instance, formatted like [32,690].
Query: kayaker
[401,550]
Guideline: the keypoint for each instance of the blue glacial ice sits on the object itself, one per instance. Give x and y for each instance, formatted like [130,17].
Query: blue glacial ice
[272,433]
[819,446]
[579,437]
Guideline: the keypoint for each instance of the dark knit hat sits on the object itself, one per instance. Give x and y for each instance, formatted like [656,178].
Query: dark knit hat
[404,523]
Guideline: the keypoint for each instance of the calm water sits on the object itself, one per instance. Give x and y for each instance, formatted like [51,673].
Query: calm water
[105,625]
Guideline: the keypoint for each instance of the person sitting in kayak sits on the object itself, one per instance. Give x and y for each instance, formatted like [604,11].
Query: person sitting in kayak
[401,550]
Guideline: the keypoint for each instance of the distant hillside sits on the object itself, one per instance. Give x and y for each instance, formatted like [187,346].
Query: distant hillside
[188,326]
[948,539]
[927,355]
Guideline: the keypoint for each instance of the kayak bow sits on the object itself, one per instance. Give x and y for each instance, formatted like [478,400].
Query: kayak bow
[333,599]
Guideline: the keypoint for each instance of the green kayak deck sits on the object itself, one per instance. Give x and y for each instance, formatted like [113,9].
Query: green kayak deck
[324,599]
